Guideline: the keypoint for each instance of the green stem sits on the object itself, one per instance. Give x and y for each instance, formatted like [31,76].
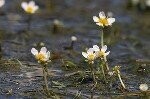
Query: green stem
[29,22]
[102,67]
[45,78]
[102,44]
[92,73]
[123,85]
[102,38]
[106,64]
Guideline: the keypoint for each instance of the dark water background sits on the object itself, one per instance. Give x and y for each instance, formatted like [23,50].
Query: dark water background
[128,42]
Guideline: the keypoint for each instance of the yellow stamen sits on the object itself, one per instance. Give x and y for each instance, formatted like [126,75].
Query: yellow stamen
[101,53]
[29,10]
[103,21]
[91,57]
[40,57]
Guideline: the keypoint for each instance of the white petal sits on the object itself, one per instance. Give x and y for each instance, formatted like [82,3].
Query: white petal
[24,5]
[104,48]
[102,15]
[43,50]
[90,50]
[85,54]
[34,51]
[100,24]
[31,3]
[111,20]
[107,53]
[35,8]
[2,2]
[96,19]
[48,55]
[96,48]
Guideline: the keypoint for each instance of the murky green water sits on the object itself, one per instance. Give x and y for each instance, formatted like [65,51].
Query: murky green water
[20,75]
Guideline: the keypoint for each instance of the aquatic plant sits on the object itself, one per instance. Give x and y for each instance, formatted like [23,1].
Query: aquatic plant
[73,38]
[90,56]
[101,53]
[43,57]
[30,8]
[116,70]
[103,21]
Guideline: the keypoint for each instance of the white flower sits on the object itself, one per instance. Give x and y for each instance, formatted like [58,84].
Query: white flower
[42,56]
[74,38]
[100,52]
[89,55]
[143,87]
[147,2]
[29,7]
[2,2]
[102,20]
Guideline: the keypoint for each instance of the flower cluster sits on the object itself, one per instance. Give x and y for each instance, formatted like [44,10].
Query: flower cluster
[95,52]
[43,56]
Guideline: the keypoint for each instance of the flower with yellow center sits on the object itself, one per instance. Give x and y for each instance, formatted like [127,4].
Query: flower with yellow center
[100,52]
[102,20]
[42,56]
[89,55]
[29,7]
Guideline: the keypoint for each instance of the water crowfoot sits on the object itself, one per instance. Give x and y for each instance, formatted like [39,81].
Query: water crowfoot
[43,57]
[73,39]
[103,21]
[30,8]
[117,71]
[90,56]
[71,46]
[101,53]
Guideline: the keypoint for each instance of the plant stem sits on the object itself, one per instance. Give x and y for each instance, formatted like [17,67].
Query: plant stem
[123,85]
[106,64]
[45,78]
[102,67]
[102,38]
[92,73]
[102,44]
[29,22]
